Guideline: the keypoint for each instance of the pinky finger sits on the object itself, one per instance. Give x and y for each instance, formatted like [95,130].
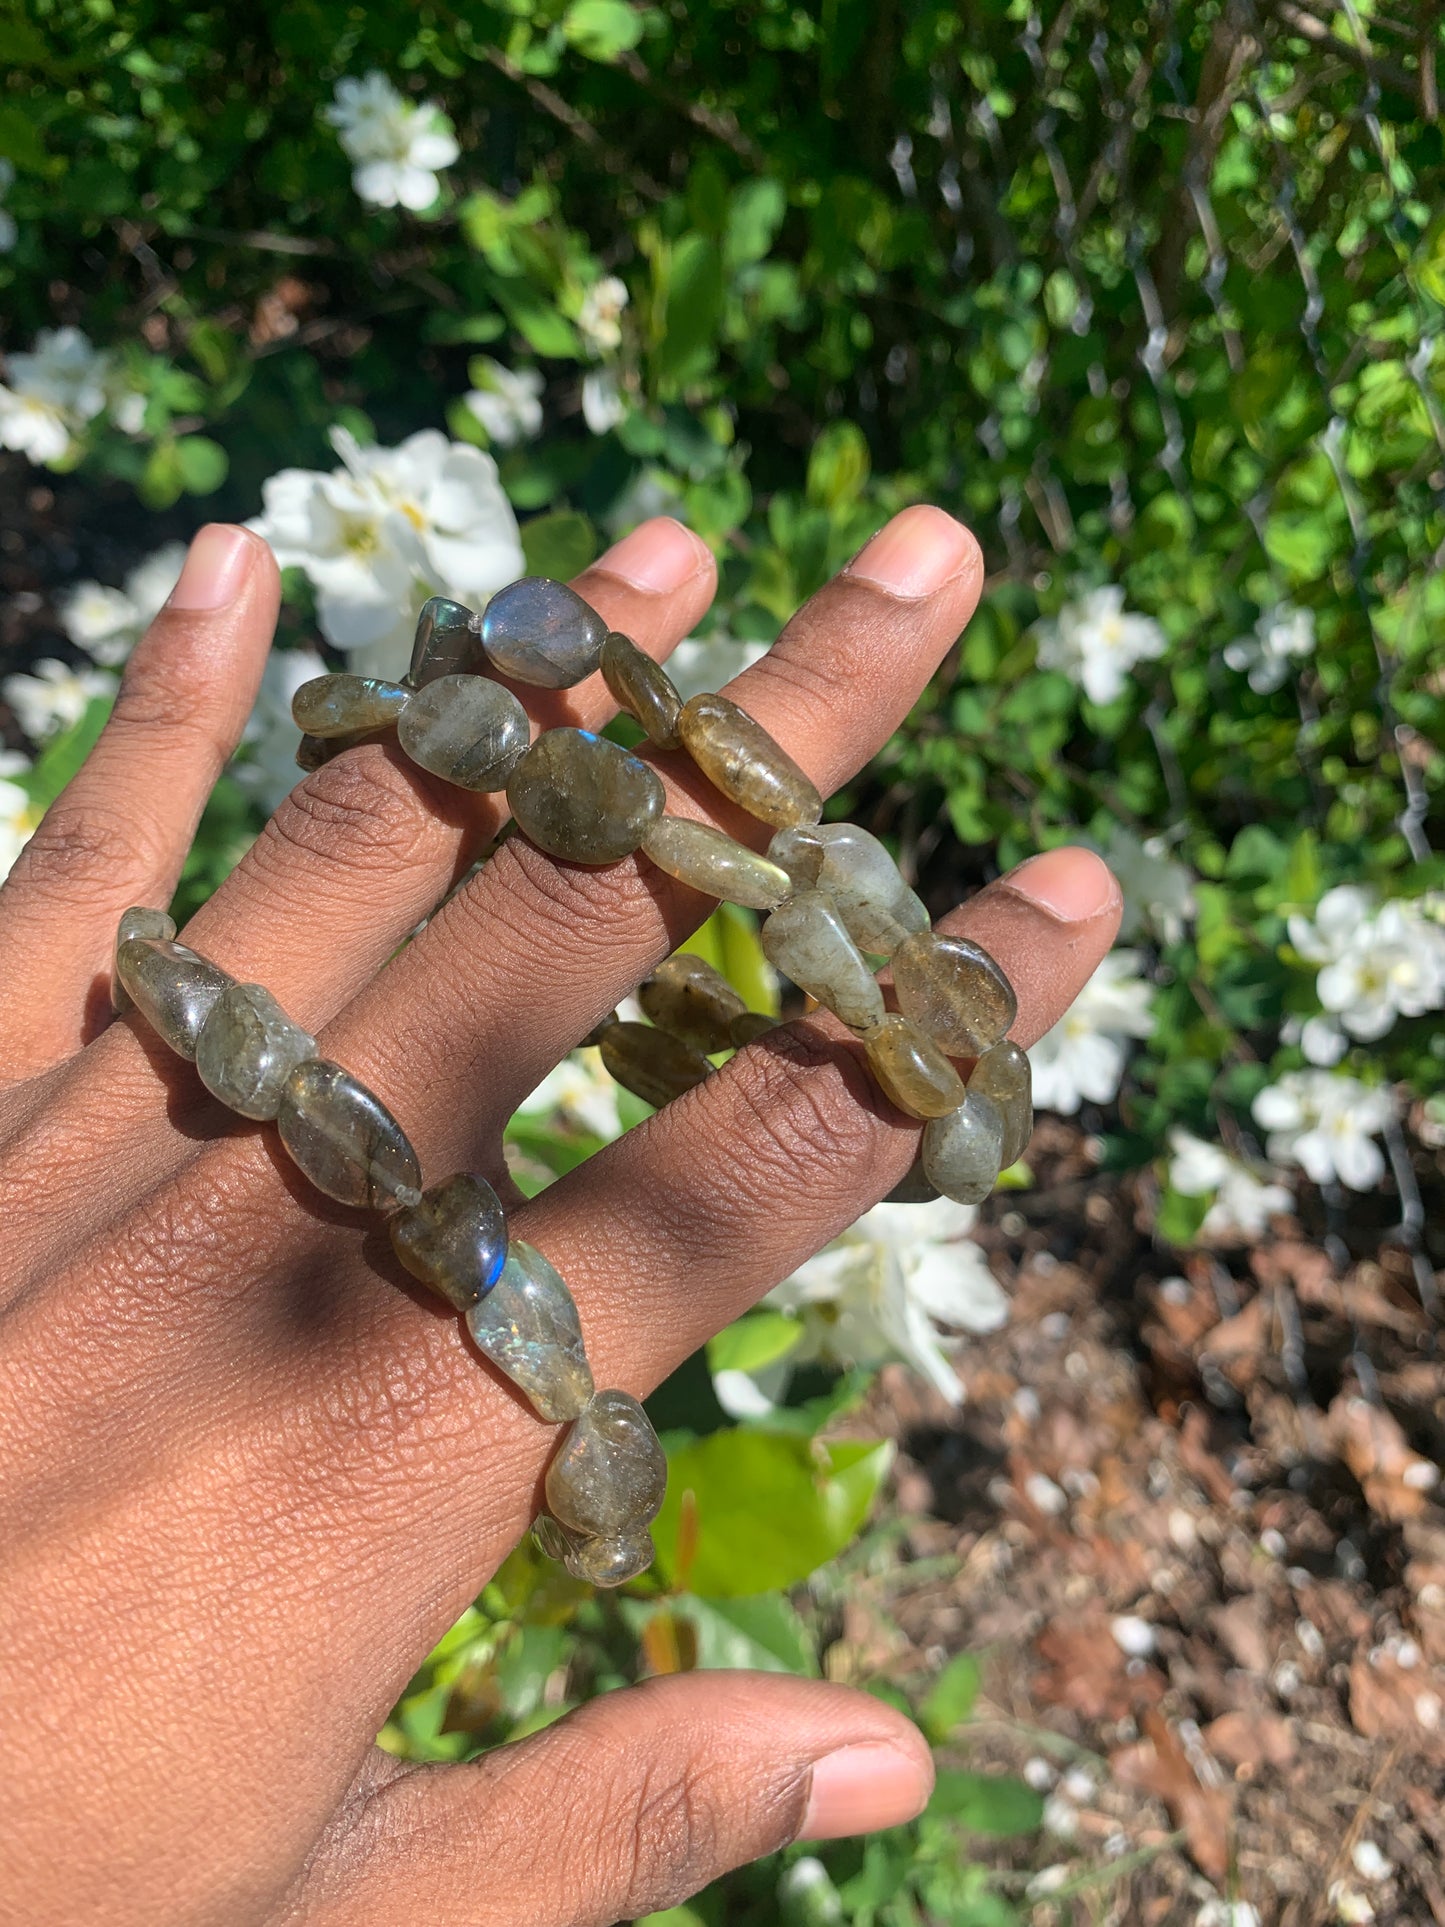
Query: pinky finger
[119,832]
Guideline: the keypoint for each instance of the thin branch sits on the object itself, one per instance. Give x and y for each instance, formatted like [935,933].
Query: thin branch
[722,126]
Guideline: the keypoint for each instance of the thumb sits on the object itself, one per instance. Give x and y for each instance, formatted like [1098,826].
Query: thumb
[627,1806]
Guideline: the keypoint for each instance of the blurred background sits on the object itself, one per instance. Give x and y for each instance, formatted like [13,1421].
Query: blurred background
[1126,1484]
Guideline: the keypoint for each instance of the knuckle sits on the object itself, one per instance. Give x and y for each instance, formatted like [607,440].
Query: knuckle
[671,1845]
[86,848]
[359,813]
[807,1119]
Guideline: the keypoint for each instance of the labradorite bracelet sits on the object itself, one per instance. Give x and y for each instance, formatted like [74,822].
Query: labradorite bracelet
[834,899]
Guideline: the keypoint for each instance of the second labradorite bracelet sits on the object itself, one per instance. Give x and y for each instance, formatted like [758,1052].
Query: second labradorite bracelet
[834,898]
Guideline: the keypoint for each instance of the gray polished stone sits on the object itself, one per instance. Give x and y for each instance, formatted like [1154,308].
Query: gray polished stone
[963,1152]
[577,796]
[852,867]
[171,987]
[539,631]
[136,922]
[343,705]
[247,1049]
[807,940]
[447,642]
[468,730]
[454,1239]
[345,1139]
[610,1476]
[528,1326]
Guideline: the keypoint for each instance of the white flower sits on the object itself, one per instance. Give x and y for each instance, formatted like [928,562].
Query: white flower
[581,1092]
[54,391]
[388,529]
[397,146]
[703,663]
[54,697]
[652,491]
[1158,892]
[1326,1124]
[882,1290]
[1243,1202]
[1094,641]
[1083,1056]
[9,233]
[108,623]
[265,764]
[603,403]
[18,815]
[600,316]
[508,404]
[1322,1041]
[1280,636]
[1376,964]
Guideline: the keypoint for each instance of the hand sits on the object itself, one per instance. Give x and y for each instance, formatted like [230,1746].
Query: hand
[247,1477]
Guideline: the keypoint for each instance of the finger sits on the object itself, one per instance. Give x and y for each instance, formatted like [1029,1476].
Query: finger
[627,1806]
[120,830]
[833,688]
[365,847]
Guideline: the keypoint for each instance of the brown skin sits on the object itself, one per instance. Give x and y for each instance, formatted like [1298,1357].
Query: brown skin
[247,1476]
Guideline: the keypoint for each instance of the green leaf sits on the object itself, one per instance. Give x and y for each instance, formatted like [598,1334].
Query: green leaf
[771,1507]
[693,308]
[559,545]
[602,29]
[202,464]
[547,331]
[763,1634]
[986,1803]
[61,759]
[161,482]
[1180,1217]
[19,140]
[755,213]
[838,466]
[748,1344]
[951,1698]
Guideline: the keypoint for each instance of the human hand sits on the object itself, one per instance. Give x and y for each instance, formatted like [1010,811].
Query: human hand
[248,1475]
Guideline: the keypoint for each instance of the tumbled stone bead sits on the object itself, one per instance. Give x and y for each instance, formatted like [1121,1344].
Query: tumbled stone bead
[963,1152]
[854,869]
[609,1476]
[609,1562]
[687,998]
[912,1069]
[171,987]
[454,1239]
[468,730]
[741,758]
[247,1049]
[954,990]
[715,863]
[580,797]
[136,922]
[751,1024]
[446,643]
[346,705]
[649,1063]
[643,688]
[914,1187]
[806,939]
[528,1326]
[542,632]
[1005,1075]
[345,1139]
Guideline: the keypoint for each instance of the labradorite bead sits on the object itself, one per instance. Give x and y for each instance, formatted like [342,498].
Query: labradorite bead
[454,1239]
[854,869]
[247,1049]
[542,632]
[914,1187]
[609,1562]
[690,1000]
[954,990]
[580,797]
[649,1063]
[1005,1075]
[447,642]
[912,1069]
[528,1326]
[715,863]
[468,730]
[963,1152]
[752,1023]
[345,1139]
[142,923]
[346,705]
[643,688]
[741,758]
[171,987]
[610,1476]
[806,939]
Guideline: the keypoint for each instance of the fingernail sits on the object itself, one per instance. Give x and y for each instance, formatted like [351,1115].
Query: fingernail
[658,557]
[861,1789]
[217,563]
[916,553]
[1071,884]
